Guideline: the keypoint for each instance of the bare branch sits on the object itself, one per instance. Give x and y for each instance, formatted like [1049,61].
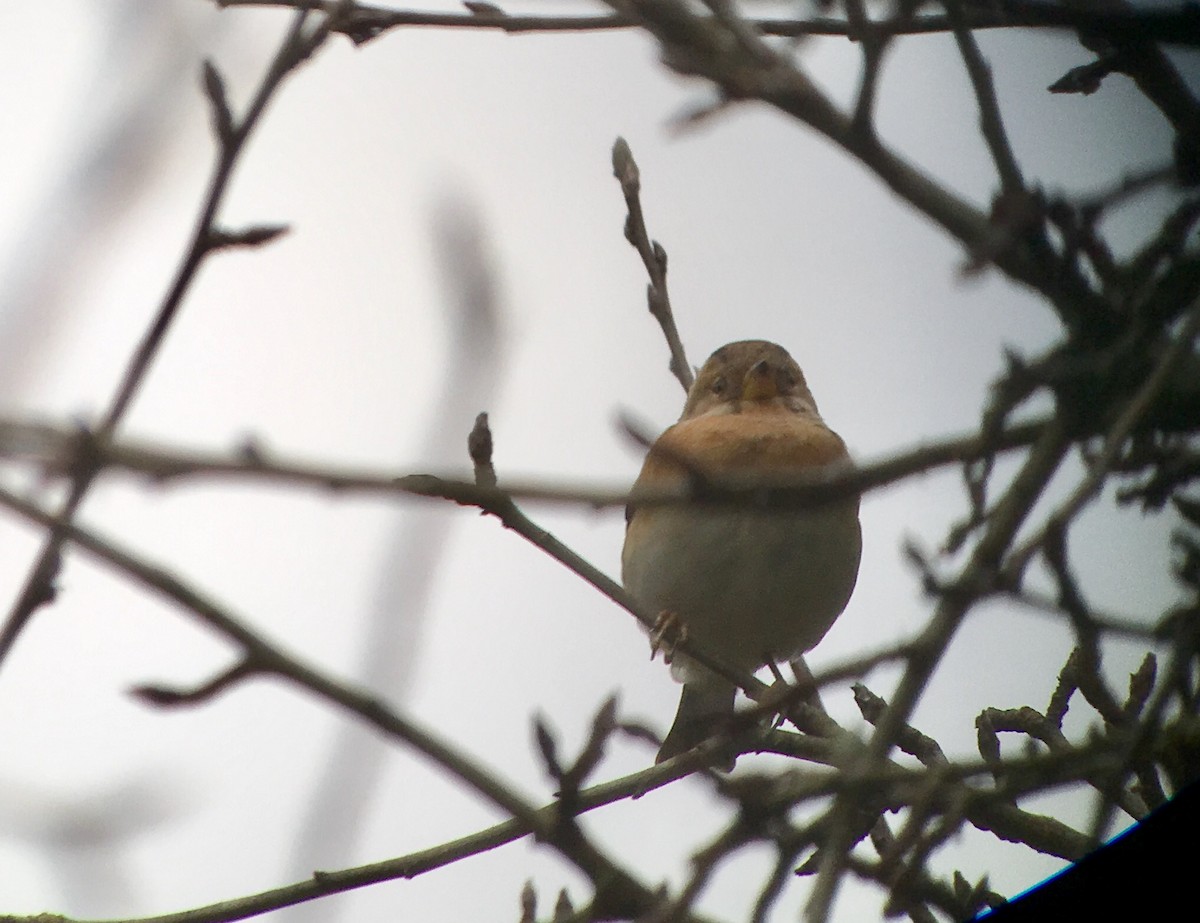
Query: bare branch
[615,887]
[654,257]
[168,697]
[1176,27]
[479,447]
[1120,379]
[990,121]
[974,580]
[874,42]
[697,45]
[63,450]
[296,47]
[214,87]
[254,236]
[1180,346]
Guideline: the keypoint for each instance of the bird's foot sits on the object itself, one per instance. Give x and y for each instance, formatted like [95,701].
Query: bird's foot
[668,633]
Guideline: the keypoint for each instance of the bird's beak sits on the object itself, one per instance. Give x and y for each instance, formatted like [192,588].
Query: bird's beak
[759,383]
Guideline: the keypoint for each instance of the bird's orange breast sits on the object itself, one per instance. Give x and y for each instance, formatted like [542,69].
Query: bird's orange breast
[747,443]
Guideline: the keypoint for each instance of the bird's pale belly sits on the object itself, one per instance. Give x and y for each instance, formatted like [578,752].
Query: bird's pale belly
[762,585]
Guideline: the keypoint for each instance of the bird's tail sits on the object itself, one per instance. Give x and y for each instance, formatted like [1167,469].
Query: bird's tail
[704,710]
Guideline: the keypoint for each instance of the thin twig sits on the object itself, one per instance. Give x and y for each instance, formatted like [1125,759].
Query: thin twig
[874,42]
[232,135]
[975,579]
[1122,626]
[654,257]
[60,450]
[409,866]
[612,882]
[1099,468]
[413,865]
[1134,51]
[991,122]
[1171,26]
[265,658]
[698,45]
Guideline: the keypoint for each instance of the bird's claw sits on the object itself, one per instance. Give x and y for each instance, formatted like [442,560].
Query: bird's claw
[668,633]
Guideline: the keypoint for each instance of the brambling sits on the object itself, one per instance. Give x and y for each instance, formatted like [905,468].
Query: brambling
[749,585]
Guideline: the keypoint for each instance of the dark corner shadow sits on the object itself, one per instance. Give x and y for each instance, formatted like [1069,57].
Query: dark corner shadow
[1149,872]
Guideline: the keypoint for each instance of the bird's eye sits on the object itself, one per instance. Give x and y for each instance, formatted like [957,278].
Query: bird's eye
[720,385]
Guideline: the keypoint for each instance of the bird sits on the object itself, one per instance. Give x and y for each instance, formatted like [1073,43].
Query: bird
[749,585]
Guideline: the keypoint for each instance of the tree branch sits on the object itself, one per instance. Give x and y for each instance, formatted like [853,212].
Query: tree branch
[654,257]
[616,888]
[59,451]
[232,135]
[1170,26]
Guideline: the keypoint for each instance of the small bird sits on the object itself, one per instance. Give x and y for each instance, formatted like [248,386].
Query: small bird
[749,585]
